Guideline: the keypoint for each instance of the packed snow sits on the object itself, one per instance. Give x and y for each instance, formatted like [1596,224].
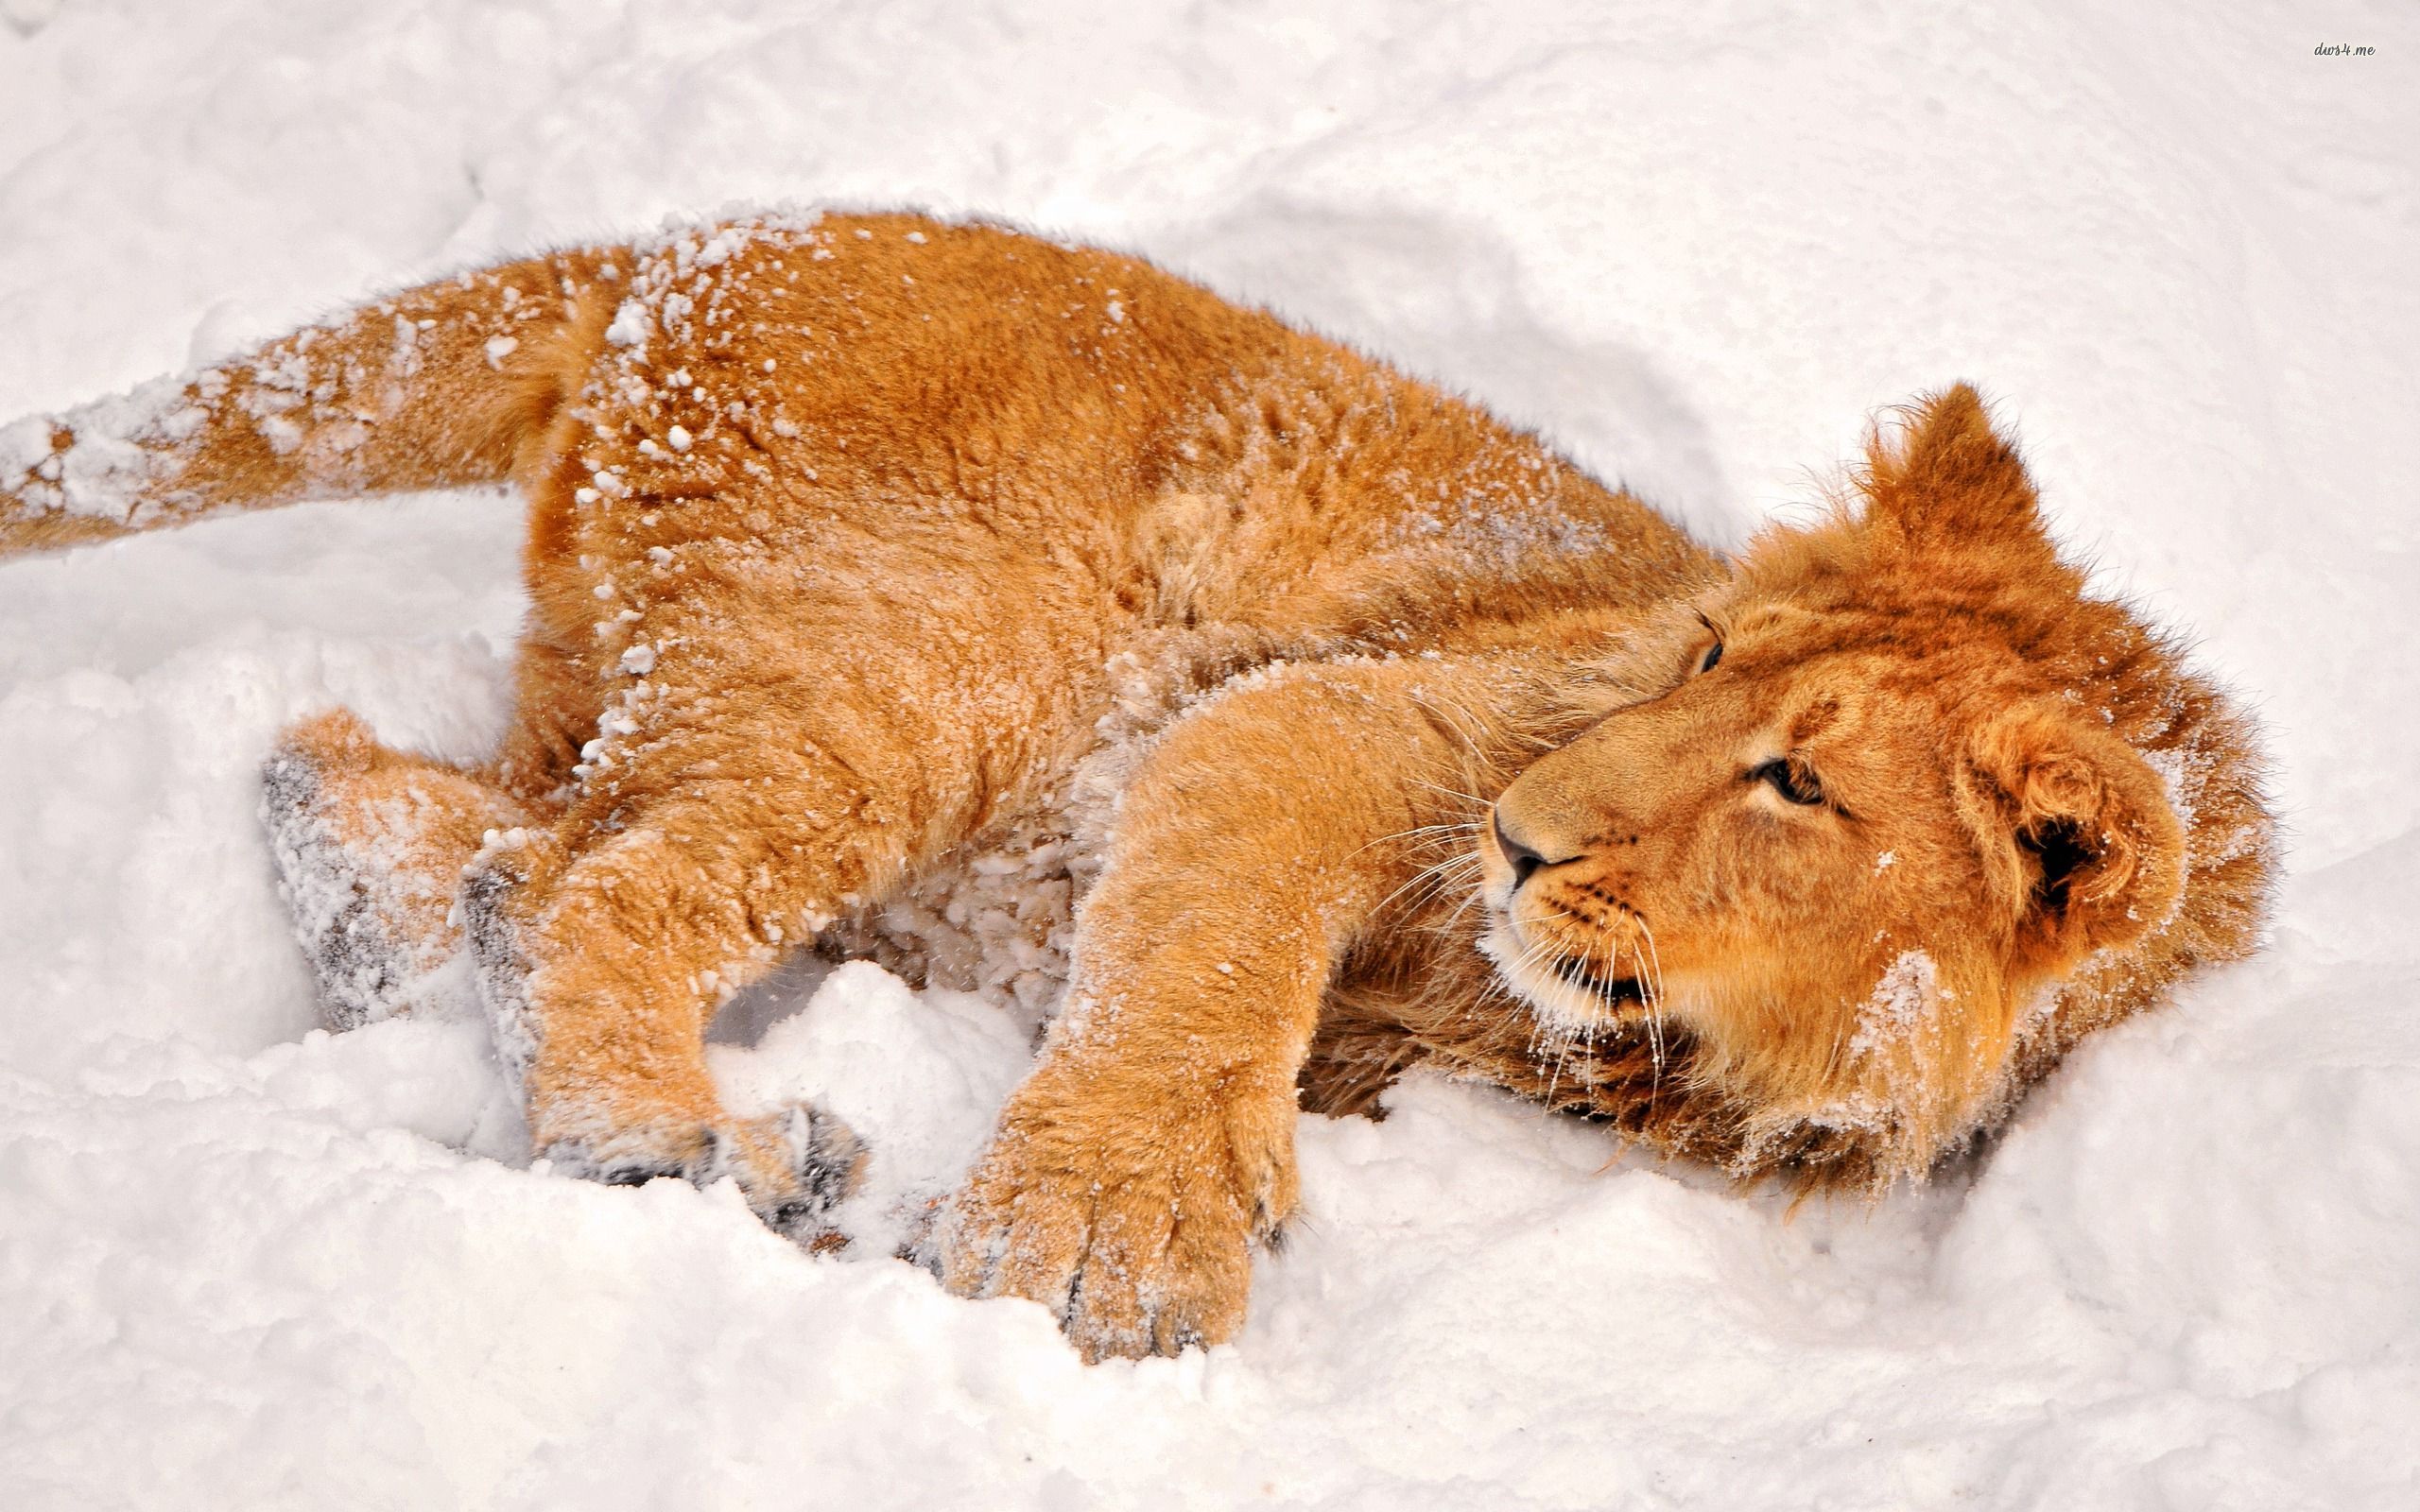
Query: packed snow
[245,1264]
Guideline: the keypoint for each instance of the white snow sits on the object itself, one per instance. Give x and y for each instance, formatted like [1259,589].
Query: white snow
[1902,1000]
[246,1265]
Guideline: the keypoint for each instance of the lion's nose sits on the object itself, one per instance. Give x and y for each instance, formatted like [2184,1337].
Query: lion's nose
[1525,859]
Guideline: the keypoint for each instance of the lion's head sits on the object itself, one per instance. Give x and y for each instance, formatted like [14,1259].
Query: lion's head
[1853,823]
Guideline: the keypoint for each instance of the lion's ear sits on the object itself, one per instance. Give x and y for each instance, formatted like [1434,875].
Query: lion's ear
[1945,477]
[2085,844]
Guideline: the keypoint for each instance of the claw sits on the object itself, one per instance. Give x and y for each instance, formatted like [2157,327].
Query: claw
[795,1166]
[1132,1257]
[826,1159]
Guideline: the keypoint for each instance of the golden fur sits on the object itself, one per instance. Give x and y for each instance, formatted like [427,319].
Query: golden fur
[1370,732]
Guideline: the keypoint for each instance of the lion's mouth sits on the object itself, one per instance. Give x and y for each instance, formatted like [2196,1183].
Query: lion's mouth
[1613,989]
[1563,988]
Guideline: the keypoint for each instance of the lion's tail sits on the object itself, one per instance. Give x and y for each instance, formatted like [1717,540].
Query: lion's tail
[453,383]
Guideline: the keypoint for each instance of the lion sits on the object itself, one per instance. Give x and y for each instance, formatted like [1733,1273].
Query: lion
[1272,722]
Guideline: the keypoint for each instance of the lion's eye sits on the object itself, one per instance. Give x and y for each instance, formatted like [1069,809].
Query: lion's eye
[1712,658]
[1794,779]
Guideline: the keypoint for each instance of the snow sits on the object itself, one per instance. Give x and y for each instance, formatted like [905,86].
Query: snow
[1900,1002]
[248,1264]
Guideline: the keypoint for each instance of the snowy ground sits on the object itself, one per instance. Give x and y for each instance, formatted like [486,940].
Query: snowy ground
[244,1264]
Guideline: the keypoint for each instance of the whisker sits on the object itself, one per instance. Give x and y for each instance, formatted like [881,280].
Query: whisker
[1448,826]
[1444,709]
[1654,992]
[1547,1036]
[1472,798]
[1451,922]
[1455,839]
[1432,880]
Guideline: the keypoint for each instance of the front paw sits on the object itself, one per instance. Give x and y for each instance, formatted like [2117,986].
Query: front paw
[793,1166]
[1130,1214]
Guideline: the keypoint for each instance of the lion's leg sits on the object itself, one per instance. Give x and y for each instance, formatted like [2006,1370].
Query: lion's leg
[605,944]
[791,746]
[370,844]
[604,970]
[1154,1141]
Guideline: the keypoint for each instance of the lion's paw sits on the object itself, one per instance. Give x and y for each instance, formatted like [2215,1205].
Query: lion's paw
[794,1165]
[1136,1231]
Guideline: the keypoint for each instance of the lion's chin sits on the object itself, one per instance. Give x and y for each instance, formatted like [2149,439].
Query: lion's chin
[1562,992]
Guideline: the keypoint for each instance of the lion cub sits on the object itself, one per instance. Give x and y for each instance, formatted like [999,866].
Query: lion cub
[870,555]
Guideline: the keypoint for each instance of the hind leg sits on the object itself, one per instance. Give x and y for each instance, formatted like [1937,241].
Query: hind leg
[796,743]
[696,847]
[603,967]
[370,844]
